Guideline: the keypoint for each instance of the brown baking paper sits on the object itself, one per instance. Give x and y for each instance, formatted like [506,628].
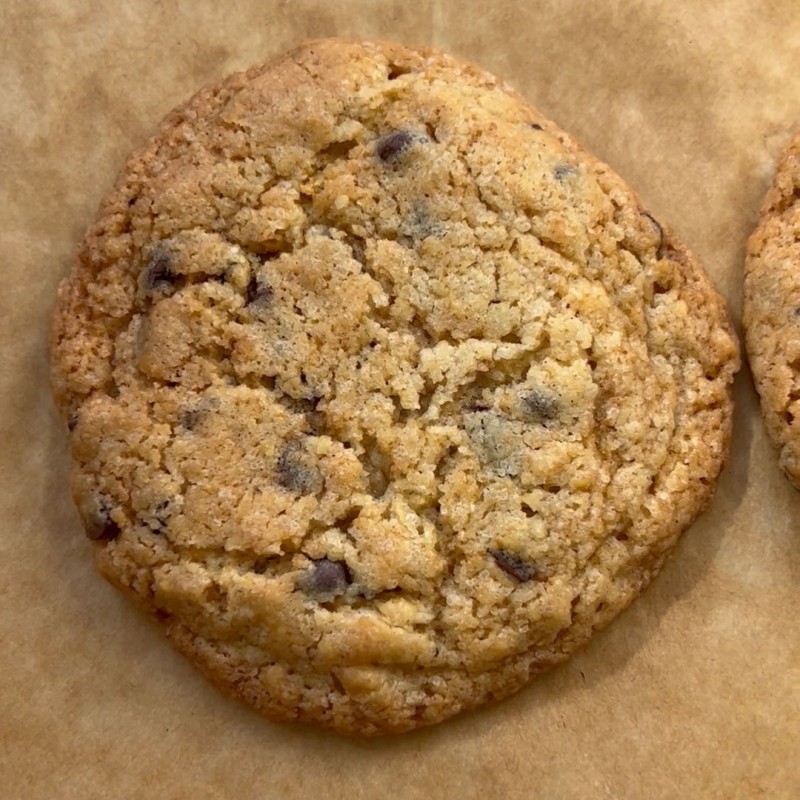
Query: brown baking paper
[692,693]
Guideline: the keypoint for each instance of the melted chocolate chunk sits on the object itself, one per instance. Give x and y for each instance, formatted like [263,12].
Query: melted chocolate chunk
[99,525]
[190,418]
[536,126]
[72,422]
[258,292]
[512,565]
[564,171]
[393,144]
[540,406]
[161,514]
[293,473]
[326,578]
[158,274]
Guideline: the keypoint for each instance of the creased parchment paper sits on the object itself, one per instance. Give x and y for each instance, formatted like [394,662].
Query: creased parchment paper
[692,693]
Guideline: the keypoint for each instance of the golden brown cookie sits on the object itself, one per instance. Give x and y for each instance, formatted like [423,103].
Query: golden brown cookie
[772,310]
[383,394]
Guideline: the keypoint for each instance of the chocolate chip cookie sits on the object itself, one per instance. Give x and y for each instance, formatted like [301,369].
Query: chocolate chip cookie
[383,395]
[772,310]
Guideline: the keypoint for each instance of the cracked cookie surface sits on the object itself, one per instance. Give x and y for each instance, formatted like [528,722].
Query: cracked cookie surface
[772,310]
[383,395]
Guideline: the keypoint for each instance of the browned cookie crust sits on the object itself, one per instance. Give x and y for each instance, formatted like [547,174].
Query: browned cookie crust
[772,310]
[383,394]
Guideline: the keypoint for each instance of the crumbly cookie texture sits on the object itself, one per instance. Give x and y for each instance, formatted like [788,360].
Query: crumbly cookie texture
[772,310]
[383,394]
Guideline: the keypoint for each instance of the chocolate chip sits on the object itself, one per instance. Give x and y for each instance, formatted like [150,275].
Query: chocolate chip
[512,565]
[393,144]
[99,525]
[191,417]
[659,230]
[162,512]
[158,274]
[158,518]
[536,126]
[540,406]
[258,292]
[797,311]
[326,579]
[293,473]
[562,171]
[72,422]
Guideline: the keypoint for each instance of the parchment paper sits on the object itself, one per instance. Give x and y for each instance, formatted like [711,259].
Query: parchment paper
[692,693]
